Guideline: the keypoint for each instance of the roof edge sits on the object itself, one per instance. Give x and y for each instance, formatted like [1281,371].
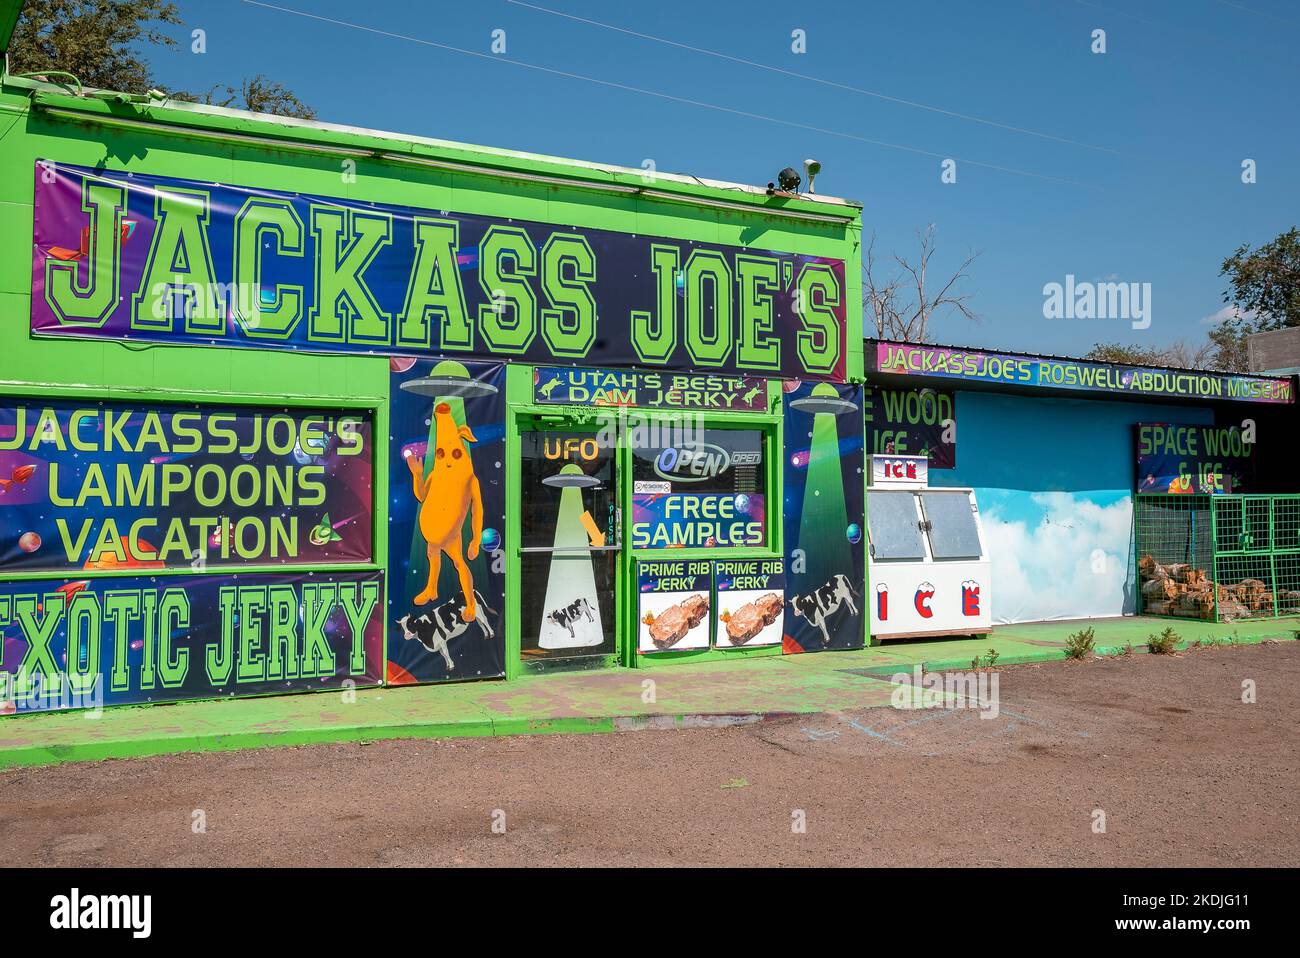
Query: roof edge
[185,117]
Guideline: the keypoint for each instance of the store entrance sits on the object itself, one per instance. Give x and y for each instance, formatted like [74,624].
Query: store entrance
[569,547]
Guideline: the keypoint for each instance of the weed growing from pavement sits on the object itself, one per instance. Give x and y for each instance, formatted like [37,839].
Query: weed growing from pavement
[1165,643]
[1080,644]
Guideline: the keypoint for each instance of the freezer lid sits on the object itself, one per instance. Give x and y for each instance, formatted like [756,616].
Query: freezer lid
[950,520]
[892,525]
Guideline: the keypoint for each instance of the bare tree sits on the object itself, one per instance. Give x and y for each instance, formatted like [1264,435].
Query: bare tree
[903,304]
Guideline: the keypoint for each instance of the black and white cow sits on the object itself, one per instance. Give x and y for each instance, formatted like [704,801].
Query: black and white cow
[570,614]
[824,602]
[435,628]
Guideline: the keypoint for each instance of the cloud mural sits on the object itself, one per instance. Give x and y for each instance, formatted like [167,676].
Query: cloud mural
[1058,555]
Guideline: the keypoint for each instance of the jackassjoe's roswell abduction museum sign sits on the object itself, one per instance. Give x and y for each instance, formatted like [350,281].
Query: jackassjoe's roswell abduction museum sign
[1044,371]
[130,256]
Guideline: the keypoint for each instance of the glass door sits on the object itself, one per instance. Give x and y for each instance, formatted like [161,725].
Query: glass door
[569,545]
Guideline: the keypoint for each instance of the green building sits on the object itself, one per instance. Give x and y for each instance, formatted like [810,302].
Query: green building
[289,405]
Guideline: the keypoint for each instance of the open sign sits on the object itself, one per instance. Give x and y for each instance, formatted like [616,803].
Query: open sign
[692,462]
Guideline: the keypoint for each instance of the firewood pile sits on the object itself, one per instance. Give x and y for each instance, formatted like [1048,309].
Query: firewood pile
[1184,590]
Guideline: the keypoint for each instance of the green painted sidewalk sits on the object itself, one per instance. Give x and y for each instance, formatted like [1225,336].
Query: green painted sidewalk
[684,695]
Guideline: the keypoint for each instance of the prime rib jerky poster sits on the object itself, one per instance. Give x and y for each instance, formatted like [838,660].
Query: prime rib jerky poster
[129,256]
[446,558]
[750,603]
[88,485]
[673,604]
[124,640]
[825,564]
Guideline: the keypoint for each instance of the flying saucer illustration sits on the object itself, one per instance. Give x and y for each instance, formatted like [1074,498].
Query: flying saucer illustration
[571,477]
[449,378]
[823,399]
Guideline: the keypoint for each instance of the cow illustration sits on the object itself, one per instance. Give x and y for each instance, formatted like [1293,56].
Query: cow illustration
[434,629]
[824,602]
[570,614]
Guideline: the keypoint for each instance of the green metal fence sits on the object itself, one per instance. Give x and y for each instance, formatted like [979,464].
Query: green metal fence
[1221,558]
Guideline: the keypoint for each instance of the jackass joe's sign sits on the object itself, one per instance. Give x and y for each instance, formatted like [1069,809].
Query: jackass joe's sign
[128,256]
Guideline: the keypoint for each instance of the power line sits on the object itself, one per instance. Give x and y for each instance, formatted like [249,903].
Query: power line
[815,79]
[501,58]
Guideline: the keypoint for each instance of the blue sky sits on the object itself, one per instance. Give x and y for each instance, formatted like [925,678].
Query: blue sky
[1149,191]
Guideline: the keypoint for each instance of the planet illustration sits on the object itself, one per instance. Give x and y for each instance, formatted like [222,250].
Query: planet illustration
[790,385]
[491,540]
[400,364]
[29,542]
[742,503]
[853,533]
[300,455]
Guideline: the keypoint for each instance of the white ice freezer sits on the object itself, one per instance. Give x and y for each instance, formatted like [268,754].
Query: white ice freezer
[928,565]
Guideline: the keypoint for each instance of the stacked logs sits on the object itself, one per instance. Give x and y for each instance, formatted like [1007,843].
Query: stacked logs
[1184,590]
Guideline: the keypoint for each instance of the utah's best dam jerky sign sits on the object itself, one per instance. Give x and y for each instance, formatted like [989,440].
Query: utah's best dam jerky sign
[126,256]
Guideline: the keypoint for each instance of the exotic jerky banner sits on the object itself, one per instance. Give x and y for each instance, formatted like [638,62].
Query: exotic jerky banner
[97,485]
[446,518]
[913,422]
[122,640]
[975,366]
[1180,459]
[127,256]
[825,565]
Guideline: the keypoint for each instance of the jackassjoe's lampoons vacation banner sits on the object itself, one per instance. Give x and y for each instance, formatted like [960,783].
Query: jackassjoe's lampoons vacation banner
[96,486]
[128,256]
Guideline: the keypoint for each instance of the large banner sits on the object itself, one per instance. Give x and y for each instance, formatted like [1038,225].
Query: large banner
[121,640]
[1178,459]
[129,256]
[1009,369]
[92,485]
[913,422]
[824,513]
[446,519]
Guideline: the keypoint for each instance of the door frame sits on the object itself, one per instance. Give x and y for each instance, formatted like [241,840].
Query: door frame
[559,419]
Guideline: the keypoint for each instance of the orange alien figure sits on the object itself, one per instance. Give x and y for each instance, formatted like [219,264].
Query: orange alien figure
[446,496]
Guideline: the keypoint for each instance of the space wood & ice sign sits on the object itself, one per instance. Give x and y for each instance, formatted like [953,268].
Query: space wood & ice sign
[129,256]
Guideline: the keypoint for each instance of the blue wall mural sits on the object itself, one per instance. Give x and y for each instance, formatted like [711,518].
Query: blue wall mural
[1054,481]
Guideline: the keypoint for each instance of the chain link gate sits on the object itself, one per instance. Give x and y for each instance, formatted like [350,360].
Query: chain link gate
[1218,557]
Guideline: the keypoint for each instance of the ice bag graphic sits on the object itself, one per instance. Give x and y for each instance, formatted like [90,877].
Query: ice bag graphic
[970,597]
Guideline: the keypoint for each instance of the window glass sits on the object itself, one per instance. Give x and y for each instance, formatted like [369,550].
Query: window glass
[893,526]
[697,488]
[952,525]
